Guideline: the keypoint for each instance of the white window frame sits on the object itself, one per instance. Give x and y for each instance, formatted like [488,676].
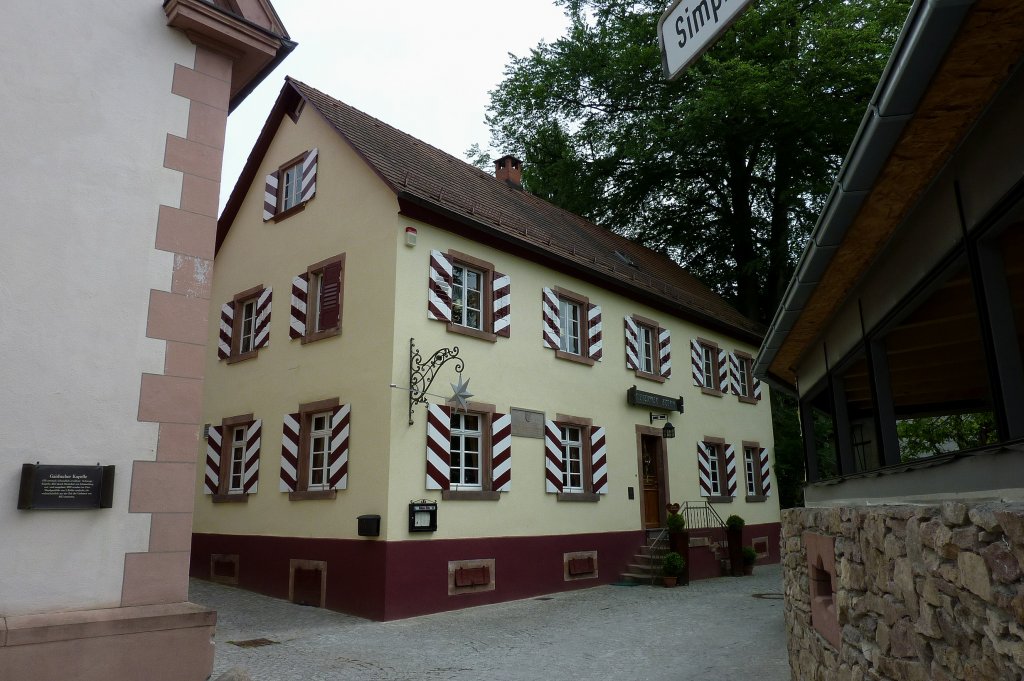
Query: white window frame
[646,337]
[291,186]
[569,316]
[714,473]
[236,470]
[572,452]
[708,366]
[743,369]
[458,449]
[750,461]
[460,295]
[318,436]
[247,327]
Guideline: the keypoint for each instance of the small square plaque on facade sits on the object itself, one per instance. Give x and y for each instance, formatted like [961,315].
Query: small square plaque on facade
[527,423]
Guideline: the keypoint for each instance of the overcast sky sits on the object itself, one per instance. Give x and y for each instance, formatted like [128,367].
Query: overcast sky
[423,67]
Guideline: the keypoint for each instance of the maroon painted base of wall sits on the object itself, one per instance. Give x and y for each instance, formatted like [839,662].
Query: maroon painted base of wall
[705,562]
[391,580]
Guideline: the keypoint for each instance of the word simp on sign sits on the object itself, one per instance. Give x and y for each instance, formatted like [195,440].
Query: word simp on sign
[689,27]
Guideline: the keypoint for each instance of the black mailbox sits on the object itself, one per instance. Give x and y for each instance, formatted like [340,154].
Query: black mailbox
[423,516]
[369,525]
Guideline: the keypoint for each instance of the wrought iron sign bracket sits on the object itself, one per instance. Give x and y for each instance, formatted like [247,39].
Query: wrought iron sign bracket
[423,372]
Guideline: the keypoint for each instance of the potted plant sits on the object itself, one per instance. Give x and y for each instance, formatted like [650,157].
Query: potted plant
[671,567]
[749,558]
[734,534]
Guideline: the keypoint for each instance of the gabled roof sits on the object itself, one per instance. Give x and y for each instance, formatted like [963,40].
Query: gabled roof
[435,187]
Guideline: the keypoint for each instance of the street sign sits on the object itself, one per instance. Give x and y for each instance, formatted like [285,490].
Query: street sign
[689,27]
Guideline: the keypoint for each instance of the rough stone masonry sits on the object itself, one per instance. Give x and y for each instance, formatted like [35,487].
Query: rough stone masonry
[920,592]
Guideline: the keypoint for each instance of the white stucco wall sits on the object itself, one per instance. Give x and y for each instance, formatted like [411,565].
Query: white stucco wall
[85,122]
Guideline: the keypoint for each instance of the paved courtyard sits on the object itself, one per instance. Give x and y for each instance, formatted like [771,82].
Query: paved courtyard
[713,628]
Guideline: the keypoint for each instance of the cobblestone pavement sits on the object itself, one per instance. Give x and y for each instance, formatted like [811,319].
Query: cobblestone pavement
[713,628]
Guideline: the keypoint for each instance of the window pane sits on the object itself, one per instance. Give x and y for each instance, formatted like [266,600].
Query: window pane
[569,323]
[471,421]
[458,294]
[646,349]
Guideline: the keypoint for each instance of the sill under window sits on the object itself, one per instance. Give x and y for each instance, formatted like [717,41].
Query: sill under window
[320,335]
[285,214]
[242,356]
[231,497]
[719,500]
[650,377]
[470,495]
[313,494]
[475,333]
[714,392]
[562,354]
[746,400]
[579,496]
[757,498]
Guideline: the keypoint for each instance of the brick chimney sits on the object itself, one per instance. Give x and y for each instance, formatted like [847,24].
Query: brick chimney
[510,169]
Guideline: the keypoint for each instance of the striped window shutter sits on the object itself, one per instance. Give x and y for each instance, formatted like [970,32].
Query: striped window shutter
[665,353]
[439,291]
[439,445]
[595,346]
[262,336]
[227,320]
[704,469]
[309,165]
[501,452]
[734,373]
[213,449]
[270,196]
[723,371]
[632,344]
[300,295]
[290,453]
[551,324]
[766,475]
[730,470]
[757,387]
[330,297]
[337,460]
[251,463]
[552,457]
[502,301]
[599,460]
[697,362]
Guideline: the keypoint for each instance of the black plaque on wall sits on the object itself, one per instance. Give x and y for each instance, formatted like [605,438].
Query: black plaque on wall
[56,487]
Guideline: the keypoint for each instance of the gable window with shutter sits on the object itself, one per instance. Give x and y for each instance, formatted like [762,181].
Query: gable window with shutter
[575,459]
[469,295]
[648,349]
[711,367]
[571,326]
[469,452]
[317,297]
[245,325]
[233,458]
[314,450]
[288,189]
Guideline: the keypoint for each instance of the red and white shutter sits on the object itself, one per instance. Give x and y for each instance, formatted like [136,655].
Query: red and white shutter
[704,469]
[757,387]
[766,474]
[665,353]
[552,457]
[439,443]
[251,463]
[213,451]
[261,337]
[734,374]
[290,453]
[300,297]
[270,196]
[227,320]
[337,460]
[599,460]
[632,344]
[595,345]
[730,470]
[550,322]
[723,371]
[697,362]
[501,452]
[502,287]
[439,291]
[329,315]
[309,165]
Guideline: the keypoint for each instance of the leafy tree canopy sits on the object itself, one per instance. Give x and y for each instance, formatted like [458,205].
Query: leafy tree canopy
[725,168]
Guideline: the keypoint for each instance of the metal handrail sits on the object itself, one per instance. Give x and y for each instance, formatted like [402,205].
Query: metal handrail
[657,540]
[700,515]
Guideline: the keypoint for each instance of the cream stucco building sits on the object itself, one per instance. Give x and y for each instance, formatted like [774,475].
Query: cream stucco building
[346,246]
[113,137]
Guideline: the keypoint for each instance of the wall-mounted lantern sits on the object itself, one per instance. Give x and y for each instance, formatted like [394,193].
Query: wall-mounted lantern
[668,431]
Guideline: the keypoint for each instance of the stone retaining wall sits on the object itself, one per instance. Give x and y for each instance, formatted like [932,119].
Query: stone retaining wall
[920,592]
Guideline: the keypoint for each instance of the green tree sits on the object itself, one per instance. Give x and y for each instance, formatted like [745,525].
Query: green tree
[931,435]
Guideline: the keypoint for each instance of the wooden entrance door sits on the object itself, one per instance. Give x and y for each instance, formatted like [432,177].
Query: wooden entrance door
[652,476]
